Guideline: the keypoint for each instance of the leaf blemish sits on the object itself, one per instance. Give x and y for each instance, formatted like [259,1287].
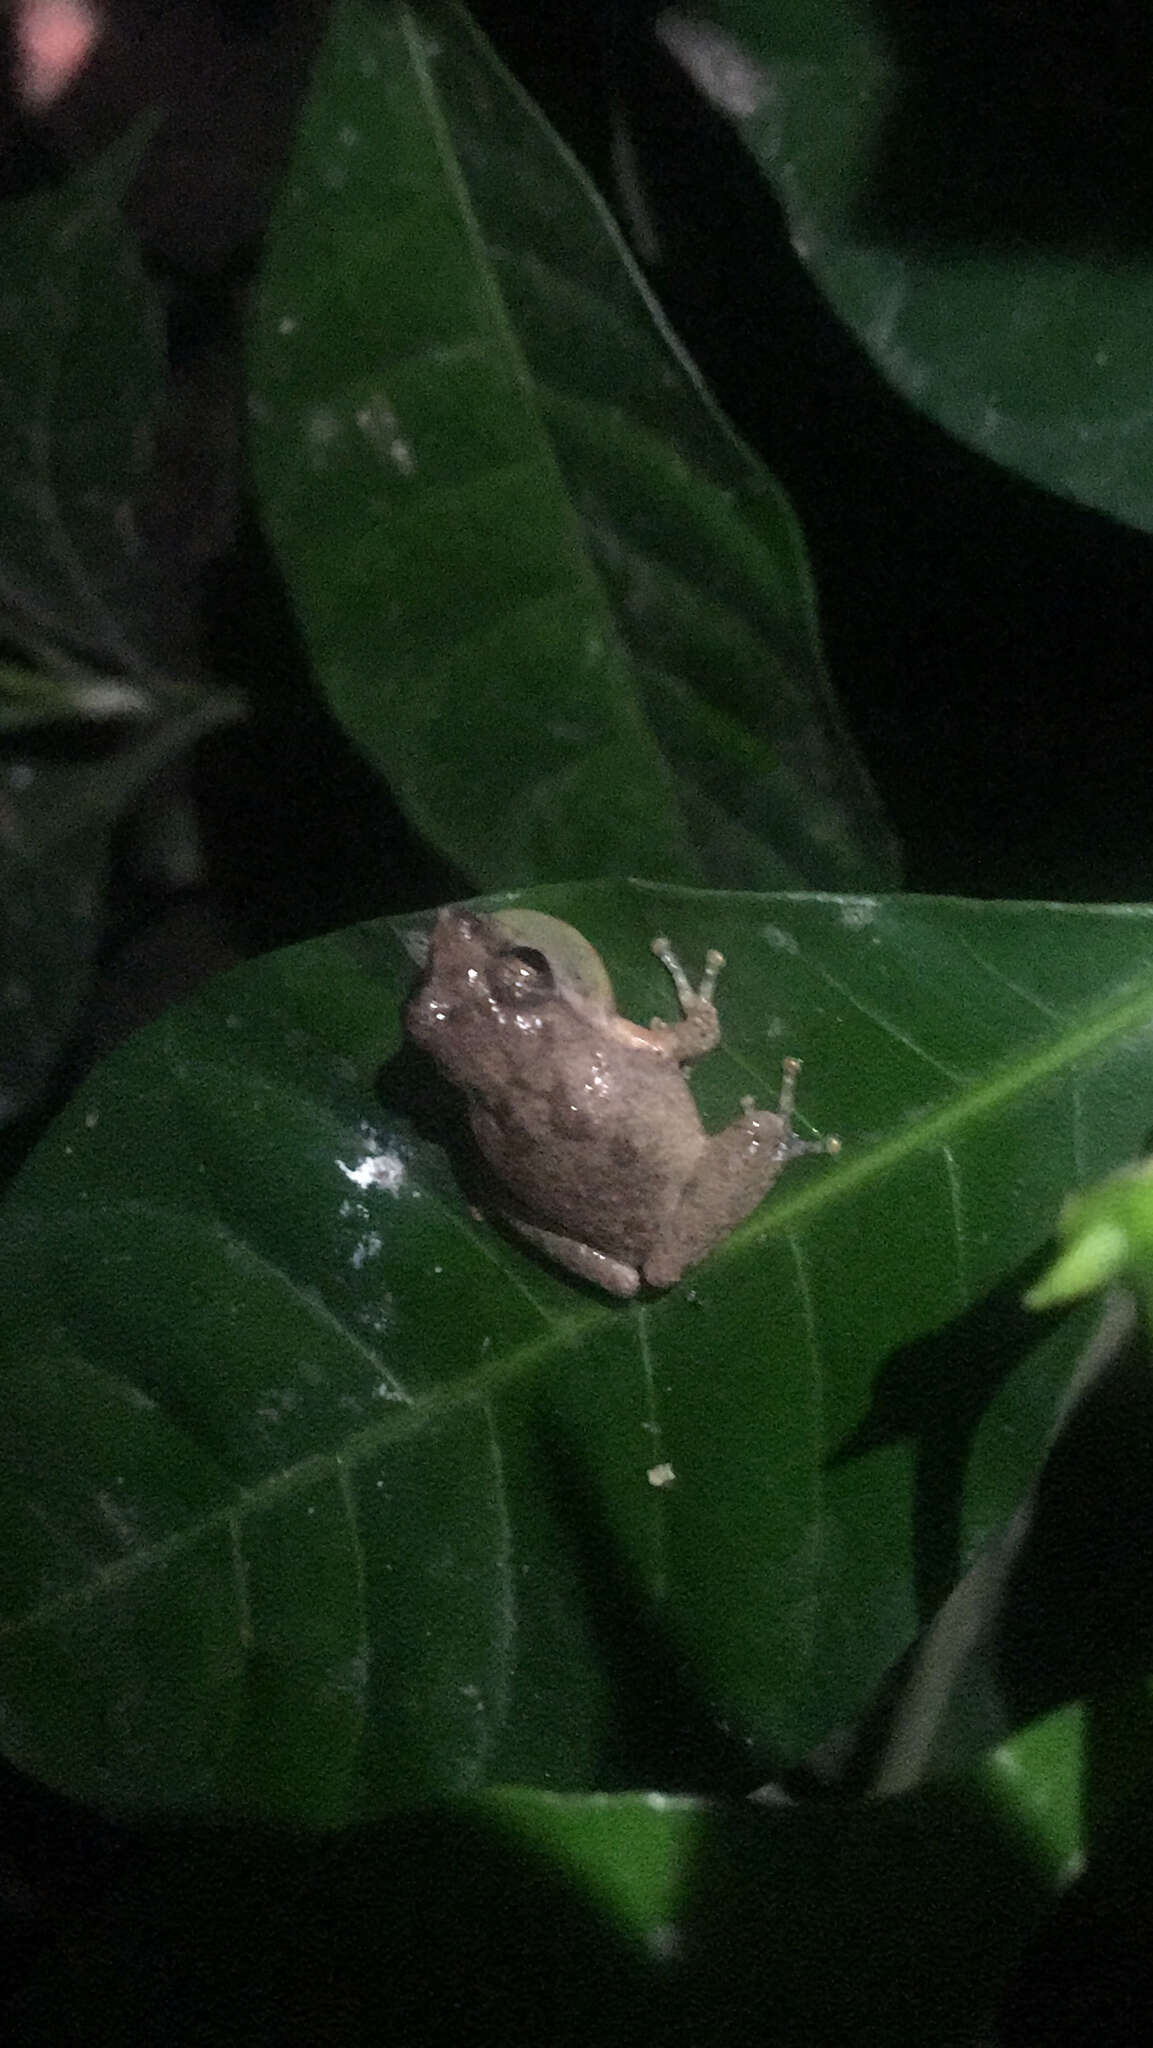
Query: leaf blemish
[376,1168]
[857,912]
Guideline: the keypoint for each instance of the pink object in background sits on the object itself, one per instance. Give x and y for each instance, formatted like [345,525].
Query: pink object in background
[54,40]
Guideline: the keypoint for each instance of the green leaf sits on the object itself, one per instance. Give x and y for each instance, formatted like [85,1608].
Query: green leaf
[82,363]
[1039,1773]
[1073,1774]
[546,589]
[318,1494]
[1106,1234]
[632,1853]
[968,211]
[1070,1775]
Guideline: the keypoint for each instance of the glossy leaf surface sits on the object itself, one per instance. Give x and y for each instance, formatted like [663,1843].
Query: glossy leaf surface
[964,186]
[318,1494]
[545,588]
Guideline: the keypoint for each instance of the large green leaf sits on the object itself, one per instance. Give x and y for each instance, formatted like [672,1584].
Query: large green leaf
[546,589]
[318,1494]
[964,186]
[82,366]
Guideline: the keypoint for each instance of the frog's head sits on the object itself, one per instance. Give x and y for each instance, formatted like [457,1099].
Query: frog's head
[518,960]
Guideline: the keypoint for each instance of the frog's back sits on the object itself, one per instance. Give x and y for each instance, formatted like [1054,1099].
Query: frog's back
[601,1150]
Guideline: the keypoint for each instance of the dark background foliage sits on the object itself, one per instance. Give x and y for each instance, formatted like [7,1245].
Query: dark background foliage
[976,625]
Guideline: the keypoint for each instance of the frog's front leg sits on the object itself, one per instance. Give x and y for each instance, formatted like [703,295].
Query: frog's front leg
[736,1170]
[699,1029]
[614,1275]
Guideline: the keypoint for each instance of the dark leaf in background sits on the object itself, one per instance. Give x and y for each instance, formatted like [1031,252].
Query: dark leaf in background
[58,810]
[82,366]
[966,185]
[82,370]
[555,600]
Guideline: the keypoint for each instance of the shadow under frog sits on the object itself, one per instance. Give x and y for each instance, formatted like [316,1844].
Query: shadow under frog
[584,1119]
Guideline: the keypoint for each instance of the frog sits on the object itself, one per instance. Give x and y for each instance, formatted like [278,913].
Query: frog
[589,1130]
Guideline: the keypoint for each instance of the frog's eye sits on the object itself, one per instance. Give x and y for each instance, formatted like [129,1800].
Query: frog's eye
[521,975]
[574,965]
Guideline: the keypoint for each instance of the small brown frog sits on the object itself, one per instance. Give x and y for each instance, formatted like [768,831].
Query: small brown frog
[585,1118]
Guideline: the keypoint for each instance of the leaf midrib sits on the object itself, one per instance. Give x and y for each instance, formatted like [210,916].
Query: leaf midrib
[1007,1081]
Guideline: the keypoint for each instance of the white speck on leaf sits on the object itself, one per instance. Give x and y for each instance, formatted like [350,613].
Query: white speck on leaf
[375,1169]
[323,431]
[117,1517]
[381,428]
[376,1318]
[857,912]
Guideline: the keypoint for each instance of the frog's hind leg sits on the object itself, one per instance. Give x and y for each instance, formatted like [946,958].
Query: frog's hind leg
[588,1264]
[737,1169]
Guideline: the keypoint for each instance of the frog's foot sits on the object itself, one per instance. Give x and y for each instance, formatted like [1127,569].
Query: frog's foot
[699,1030]
[791,1145]
[582,1259]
